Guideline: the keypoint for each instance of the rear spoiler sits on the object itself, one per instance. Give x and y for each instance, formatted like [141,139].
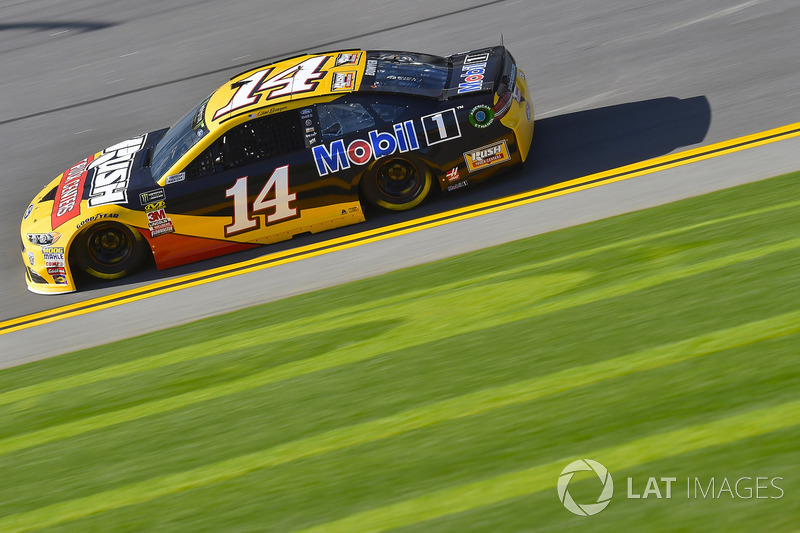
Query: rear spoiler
[476,71]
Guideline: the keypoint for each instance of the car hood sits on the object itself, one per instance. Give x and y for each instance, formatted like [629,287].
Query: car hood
[102,179]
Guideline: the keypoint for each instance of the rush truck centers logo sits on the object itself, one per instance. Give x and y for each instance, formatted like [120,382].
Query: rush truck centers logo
[70,191]
[110,181]
[486,156]
[336,156]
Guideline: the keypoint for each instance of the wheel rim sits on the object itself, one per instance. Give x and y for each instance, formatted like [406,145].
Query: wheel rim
[398,179]
[109,246]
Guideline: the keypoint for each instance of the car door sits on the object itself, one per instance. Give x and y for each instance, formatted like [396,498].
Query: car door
[256,183]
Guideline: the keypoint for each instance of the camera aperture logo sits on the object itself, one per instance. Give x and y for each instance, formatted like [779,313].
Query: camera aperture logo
[585,509]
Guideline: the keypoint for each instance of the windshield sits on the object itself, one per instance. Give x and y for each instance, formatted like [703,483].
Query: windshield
[179,139]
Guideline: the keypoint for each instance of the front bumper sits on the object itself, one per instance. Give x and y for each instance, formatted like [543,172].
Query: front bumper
[47,269]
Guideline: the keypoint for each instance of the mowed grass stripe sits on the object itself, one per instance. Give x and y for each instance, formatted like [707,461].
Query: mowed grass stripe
[452,409]
[351,355]
[544,477]
[320,323]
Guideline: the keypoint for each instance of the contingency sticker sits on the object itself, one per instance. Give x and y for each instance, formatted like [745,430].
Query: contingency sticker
[486,156]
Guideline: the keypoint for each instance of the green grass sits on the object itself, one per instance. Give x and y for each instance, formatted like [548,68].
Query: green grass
[446,397]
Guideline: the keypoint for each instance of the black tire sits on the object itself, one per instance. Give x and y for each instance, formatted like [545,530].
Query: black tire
[109,250]
[397,183]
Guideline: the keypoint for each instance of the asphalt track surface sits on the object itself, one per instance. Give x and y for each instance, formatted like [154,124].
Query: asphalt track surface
[613,83]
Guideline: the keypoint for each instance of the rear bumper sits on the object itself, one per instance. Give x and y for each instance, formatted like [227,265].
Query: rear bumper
[520,116]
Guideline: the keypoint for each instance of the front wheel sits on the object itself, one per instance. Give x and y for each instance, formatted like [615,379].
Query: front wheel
[110,251]
[397,184]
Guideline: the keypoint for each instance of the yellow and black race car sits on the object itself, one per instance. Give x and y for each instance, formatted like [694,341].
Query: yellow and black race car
[282,149]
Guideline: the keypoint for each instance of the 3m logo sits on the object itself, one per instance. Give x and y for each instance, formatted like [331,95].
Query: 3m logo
[486,156]
[156,216]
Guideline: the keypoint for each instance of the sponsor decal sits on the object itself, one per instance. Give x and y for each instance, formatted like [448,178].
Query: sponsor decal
[473,72]
[112,172]
[521,74]
[175,178]
[67,204]
[28,212]
[162,229]
[336,156]
[152,196]
[343,81]
[452,174]
[31,258]
[306,113]
[53,257]
[159,223]
[57,271]
[372,67]
[528,111]
[348,59]
[517,95]
[486,156]
[458,185]
[161,204]
[96,217]
[481,116]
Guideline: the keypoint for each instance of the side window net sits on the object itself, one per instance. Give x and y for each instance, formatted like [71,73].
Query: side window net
[201,166]
[388,112]
[260,139]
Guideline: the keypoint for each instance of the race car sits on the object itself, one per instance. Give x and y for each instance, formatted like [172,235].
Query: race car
[296,146]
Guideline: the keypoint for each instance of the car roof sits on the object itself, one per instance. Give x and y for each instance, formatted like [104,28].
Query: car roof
[288,80]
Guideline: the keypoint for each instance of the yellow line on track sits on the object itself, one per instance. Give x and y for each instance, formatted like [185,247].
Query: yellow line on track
[412,226]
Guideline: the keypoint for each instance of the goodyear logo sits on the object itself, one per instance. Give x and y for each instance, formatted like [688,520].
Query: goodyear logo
[486,156]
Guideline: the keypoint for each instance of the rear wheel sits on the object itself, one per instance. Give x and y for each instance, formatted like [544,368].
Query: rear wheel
[110,251]
[397,184]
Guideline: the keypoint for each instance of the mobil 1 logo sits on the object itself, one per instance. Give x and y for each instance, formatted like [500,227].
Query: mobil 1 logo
[440,127]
